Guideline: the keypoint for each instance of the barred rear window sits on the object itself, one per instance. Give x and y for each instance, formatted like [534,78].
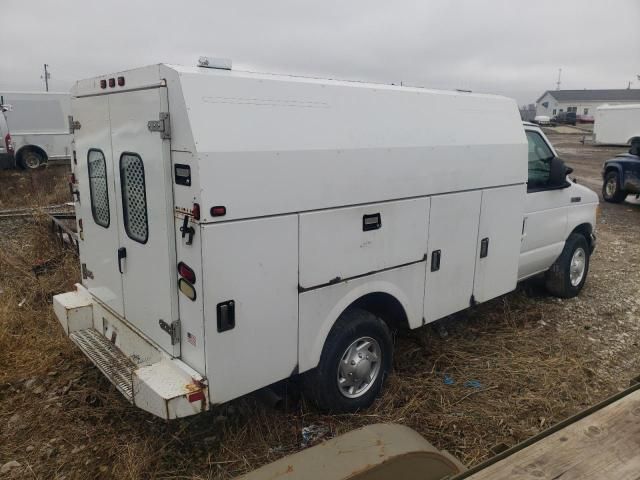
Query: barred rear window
[134,197]
[98,188]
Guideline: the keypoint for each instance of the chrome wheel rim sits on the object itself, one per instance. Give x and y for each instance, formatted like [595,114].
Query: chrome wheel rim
[577,266]
[611,187]
[31,161]
[359,367]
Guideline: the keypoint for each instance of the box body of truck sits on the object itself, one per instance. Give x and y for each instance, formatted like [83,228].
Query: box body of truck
[616,124]
[227,219]
[39,126]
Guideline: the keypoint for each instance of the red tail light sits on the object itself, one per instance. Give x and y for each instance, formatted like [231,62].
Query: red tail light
[72,179]
[195,211]
[7,142]
[219,211]
[186,272]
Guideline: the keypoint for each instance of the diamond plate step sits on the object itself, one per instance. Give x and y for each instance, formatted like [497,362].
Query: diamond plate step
[111,361]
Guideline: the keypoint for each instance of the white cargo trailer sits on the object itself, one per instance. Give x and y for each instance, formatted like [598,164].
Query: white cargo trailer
[238,229]
[39,126]
[617,124]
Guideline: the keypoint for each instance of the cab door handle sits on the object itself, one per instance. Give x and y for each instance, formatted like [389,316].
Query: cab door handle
[122,253]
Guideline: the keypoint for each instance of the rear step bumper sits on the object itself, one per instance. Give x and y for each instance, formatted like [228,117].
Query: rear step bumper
[146,376]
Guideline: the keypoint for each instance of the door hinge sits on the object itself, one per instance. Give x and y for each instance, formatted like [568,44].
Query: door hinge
[73,124]
[161,125]
[172,329]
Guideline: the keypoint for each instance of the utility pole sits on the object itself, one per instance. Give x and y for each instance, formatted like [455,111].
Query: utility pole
[559,76]
[46,77]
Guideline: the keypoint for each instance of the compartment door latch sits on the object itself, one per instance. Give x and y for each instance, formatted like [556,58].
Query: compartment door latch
[172,329]
[161,125]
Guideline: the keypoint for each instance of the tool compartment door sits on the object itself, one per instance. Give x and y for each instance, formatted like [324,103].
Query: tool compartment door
[453,235]
[97,205]
[499,239]
[342,243]
[142,170]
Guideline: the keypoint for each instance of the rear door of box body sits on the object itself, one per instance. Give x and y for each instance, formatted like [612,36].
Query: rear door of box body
[98,205]
[124,178]
[143,184]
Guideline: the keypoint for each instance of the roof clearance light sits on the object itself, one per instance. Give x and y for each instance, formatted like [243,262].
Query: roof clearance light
[112,82]
[121,81]
[214,62]
[187,289]
[103,84]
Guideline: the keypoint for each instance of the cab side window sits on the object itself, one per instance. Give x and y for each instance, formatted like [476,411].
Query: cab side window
[540,156]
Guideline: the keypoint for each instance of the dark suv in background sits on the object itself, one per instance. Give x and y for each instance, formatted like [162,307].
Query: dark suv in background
[568,118]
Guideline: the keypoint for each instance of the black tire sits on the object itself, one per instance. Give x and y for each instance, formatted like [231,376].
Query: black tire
[31,159]
[558,278]
[321,384]
[612,189]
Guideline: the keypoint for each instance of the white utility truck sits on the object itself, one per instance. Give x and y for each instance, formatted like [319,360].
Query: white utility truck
[616,124]
[39,125]
[238,229]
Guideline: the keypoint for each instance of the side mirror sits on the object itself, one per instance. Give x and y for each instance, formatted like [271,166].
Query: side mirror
[558,173]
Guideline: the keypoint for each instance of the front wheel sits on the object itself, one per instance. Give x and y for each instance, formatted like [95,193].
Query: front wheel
[567,275]
[355,361]
[612,189]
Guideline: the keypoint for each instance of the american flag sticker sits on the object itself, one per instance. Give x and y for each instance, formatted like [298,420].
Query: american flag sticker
[191,338]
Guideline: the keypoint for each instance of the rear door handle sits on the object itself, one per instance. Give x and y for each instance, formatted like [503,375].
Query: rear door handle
[122,253]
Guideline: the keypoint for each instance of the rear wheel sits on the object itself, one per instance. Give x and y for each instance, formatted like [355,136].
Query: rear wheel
[355,361]
[30,159]
[567,275]
[612,189]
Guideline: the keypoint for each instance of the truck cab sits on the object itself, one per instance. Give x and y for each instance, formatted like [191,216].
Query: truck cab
[559,220]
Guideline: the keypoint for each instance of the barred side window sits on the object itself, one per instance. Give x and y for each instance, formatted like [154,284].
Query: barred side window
[134,197]
[98,188]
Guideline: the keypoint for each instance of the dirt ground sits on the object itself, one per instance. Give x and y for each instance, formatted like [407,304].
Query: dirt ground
[472,384]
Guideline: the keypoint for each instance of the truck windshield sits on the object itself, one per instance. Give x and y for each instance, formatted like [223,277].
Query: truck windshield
[540,156]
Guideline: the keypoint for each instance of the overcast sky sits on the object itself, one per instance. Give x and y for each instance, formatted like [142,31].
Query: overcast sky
[509,47]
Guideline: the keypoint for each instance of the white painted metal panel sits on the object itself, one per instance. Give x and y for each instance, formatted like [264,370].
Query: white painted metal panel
[544,230]
[149,282]
[501,215]
[453,230]
[190,311]
[99,244]
[334,244]
[320,308]
[316,144]
[255,264]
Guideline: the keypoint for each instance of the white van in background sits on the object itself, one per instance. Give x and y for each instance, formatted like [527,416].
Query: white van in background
[616,124]
[238,229]
[39,125]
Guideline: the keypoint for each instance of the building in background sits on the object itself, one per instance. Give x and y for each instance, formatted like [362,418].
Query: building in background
[583,102]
